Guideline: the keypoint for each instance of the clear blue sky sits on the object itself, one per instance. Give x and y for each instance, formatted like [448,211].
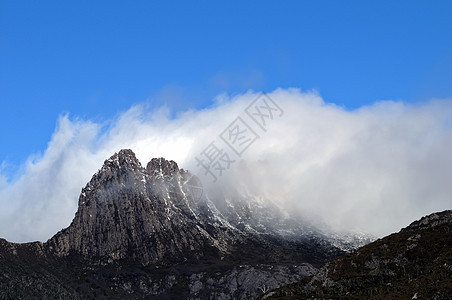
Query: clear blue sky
[94,59]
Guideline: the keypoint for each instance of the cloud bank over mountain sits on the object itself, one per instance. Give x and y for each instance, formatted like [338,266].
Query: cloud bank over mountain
[374,169]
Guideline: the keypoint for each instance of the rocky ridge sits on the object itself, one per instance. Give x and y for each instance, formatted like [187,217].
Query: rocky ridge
[415,263]
[430,221]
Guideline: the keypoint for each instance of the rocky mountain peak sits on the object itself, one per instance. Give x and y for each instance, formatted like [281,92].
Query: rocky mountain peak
[112,173]
[155,232]
[162,166]
[129,211]
[123,159]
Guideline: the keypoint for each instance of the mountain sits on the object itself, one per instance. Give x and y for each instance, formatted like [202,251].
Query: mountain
[415,263]
[155,232]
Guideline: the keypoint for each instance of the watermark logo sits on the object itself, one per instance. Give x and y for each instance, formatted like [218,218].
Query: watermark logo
[214,161]
[263,110]
[238,136]
[194,187]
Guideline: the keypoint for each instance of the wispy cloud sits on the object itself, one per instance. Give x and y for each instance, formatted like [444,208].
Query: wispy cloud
[374,169]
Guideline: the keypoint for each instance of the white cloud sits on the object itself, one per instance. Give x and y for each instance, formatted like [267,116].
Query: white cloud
[373,169]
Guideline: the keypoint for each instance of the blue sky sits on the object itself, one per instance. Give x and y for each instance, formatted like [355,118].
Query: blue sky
[94,59]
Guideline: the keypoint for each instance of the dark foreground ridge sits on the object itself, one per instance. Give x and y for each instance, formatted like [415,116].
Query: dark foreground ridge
[415,263]
[147,233]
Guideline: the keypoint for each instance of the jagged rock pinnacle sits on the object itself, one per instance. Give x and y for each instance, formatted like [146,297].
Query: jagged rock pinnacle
[127,210]
[124,158]
[162,166]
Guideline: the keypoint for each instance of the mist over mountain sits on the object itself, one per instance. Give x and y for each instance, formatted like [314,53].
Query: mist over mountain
[155,232]
[348,169]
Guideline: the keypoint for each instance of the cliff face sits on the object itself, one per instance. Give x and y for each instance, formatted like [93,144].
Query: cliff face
[147,214]
[152,232]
